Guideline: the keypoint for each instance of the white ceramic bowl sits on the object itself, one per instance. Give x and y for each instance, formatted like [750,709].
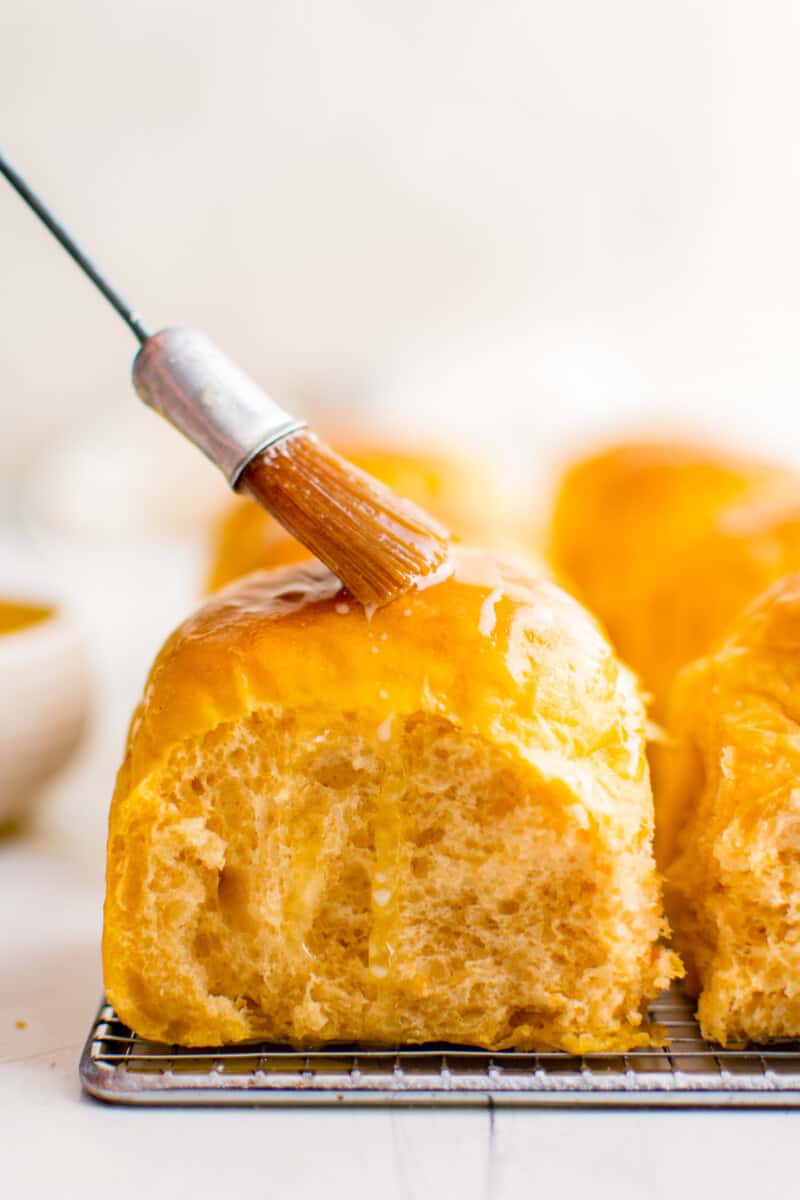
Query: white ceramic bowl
[44,703]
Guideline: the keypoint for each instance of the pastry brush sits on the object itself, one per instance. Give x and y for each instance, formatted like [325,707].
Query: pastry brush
[378,544]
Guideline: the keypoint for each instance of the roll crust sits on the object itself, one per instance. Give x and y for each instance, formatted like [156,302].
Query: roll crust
[667,542]
[434,824]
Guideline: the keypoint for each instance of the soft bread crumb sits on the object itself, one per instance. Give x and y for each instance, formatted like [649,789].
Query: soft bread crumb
[729,823]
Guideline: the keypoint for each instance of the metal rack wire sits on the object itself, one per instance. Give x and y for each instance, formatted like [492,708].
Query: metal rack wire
[120,1067]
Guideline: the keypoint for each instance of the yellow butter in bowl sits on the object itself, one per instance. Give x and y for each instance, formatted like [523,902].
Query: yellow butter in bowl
[15,616]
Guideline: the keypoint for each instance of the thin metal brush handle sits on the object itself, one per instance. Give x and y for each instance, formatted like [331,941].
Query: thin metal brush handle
[129,316]
[181,374]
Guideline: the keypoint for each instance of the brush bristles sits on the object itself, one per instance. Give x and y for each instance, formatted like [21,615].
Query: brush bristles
[378,544]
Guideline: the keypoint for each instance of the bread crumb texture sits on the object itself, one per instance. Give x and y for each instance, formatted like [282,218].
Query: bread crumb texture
[728,825]
[449,839]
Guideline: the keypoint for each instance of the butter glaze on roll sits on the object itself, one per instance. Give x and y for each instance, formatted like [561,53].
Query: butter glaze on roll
[432,825]
[729,823]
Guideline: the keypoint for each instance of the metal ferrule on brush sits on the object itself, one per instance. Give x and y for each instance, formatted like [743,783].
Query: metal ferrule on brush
[185,377]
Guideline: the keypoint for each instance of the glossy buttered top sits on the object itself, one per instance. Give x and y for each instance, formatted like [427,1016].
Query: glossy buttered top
[496,648]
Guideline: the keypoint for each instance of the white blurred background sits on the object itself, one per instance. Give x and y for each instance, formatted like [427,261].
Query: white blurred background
[516,225]
[534,217]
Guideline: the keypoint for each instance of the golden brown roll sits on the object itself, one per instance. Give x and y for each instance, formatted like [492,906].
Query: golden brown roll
[667,542]
[460,493]
[729,823]
[431,825]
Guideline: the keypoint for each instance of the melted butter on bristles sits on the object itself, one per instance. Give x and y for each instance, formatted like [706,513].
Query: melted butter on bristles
[378,544]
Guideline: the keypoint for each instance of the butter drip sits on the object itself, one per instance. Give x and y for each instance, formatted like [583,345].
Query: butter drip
[388,831]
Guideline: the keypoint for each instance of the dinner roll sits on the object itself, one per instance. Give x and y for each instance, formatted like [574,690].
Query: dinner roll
[433,824]
[656,541]
[462,494]
[729,823]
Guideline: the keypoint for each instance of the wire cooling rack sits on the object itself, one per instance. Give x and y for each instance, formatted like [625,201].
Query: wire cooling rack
[120,1067]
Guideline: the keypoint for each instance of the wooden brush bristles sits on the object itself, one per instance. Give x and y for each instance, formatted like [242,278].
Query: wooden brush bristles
[378,544]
